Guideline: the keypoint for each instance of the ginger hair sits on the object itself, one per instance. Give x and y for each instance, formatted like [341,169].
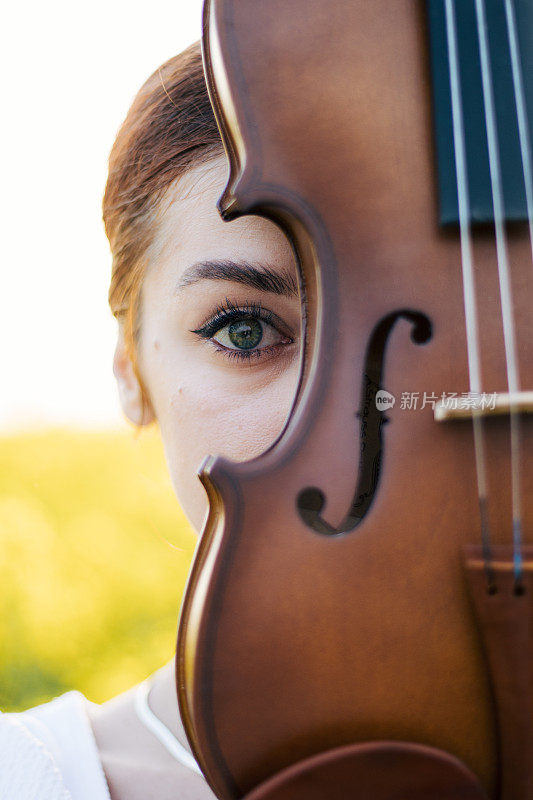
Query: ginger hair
[169,128]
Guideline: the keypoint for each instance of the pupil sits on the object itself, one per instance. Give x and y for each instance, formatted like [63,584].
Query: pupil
[246,333]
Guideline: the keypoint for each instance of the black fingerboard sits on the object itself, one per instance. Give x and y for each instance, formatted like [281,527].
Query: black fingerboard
[476,148]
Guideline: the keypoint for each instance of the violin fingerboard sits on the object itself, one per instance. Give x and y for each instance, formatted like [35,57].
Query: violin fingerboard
[473,107]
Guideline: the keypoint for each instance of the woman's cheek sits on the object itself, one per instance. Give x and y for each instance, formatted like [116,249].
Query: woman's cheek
[238,426]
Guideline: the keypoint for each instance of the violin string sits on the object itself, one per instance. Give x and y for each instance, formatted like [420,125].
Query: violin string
[521,113]
[504,281]
[469,291]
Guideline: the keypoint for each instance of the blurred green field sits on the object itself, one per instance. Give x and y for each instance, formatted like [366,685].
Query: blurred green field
[94,554]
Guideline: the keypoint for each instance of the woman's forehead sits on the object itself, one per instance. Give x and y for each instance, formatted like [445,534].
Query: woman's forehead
[189,228]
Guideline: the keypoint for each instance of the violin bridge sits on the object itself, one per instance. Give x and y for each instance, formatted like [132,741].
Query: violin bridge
[492,405]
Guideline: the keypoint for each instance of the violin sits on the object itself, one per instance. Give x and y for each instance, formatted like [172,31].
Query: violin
[358,618]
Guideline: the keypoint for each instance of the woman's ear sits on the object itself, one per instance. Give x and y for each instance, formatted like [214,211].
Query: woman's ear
[135,404]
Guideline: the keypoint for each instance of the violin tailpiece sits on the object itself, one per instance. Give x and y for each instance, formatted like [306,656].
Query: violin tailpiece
[504,616]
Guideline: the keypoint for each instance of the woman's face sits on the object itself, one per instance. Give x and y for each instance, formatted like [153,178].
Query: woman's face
[220,327]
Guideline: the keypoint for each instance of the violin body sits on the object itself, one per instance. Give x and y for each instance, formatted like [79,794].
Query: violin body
[328,604]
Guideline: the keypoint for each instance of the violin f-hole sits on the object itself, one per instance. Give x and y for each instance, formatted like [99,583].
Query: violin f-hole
[311,501]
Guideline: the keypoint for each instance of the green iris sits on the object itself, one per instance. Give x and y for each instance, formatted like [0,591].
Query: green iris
[246,333]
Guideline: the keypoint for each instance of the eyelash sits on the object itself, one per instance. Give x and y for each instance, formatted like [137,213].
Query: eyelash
[226,314]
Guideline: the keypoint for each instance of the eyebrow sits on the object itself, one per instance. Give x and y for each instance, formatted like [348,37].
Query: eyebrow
[263,277]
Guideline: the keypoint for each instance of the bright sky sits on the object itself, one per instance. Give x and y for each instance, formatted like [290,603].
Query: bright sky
[70,71]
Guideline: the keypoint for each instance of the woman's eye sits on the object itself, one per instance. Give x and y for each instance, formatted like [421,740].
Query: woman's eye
[247,334]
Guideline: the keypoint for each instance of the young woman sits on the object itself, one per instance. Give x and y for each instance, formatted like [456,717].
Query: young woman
[208,341]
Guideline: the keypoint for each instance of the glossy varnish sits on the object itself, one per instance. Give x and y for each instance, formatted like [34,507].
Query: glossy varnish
[293,641]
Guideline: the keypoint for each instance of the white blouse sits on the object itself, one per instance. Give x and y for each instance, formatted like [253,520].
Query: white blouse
[49,753]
